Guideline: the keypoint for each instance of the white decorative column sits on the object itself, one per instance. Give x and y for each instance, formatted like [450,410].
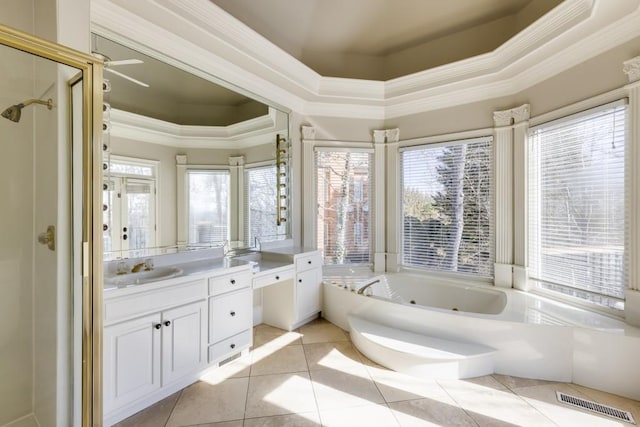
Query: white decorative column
[510,135]
[503,161]
[632,295]
[394,206]
[181,214]
[380,139]
[520,212]
[236,216]
[309,238]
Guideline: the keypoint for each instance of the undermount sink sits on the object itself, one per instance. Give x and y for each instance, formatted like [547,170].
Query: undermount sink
[158,273]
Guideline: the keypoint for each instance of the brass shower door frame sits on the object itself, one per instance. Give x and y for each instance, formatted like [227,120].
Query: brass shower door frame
[91,75]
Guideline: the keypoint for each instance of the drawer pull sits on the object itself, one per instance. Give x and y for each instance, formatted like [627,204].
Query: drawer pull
[233,281]
[309,262]
[277,277]
[232,346]
[167,323]
[299,280]
[233,313]
[158,325]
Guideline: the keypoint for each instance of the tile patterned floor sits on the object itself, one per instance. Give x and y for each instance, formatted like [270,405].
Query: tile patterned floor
[314,376]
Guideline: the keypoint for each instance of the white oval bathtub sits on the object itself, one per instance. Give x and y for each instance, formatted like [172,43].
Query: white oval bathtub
[411,289]
[534,337]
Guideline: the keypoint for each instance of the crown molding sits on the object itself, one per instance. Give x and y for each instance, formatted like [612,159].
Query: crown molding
[246,134]
[200,37]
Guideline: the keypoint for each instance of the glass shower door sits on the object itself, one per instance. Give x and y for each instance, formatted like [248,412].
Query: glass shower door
[40,357]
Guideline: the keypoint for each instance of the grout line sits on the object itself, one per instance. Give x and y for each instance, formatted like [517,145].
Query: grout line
[174,406]
[458,404]
[246,397]
[313,389]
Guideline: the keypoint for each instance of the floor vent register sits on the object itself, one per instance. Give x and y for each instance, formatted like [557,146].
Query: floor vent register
[609,411]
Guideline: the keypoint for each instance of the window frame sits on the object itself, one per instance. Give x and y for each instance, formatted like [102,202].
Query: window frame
[311,206]
[246,223]
[153,179]
[477,136]
[186,202]
[583,108]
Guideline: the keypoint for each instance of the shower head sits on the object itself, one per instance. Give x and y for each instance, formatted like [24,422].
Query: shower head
[14,112]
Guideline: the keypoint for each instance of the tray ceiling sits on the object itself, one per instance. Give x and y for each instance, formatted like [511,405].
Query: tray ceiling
[384,39]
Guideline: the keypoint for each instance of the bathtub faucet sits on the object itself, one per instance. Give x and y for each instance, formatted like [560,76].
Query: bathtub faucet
[362,289]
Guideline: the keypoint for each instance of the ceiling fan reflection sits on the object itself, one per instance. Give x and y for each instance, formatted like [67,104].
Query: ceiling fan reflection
[108,63]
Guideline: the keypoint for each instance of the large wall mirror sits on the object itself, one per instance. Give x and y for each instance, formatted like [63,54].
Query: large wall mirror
[189,162]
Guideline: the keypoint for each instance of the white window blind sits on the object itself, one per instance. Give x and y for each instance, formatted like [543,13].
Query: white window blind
[447,207]
[345,201]
[260,201]
[208,203]
[577,205]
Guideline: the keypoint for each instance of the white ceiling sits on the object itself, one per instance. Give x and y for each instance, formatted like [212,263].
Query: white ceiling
[367,38]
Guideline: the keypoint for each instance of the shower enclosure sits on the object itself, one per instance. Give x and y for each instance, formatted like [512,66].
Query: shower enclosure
[47,300]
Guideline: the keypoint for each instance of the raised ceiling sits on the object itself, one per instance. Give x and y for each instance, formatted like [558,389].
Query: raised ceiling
[205,37]
[385,39]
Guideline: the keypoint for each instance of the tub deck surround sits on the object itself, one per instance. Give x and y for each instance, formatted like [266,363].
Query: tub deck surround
[420,355]
[534,337]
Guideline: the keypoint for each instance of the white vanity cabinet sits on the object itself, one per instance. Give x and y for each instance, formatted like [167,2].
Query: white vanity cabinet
[131,361]
[291,303]
[230,314]
[153,338]
[308,286]
[184,331]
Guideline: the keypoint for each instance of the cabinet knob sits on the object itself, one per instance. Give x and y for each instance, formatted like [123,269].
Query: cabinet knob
[232,346]
[277,277]
[233,281]
[299,280]
[157,325]
[167,323]
[309,262]
[233,313]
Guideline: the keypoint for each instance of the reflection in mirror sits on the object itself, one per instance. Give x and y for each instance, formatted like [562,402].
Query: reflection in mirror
[188,163]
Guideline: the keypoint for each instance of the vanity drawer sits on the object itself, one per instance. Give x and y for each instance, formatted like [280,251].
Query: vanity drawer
[229,282]
[307,262]
[272,277]
[125,307]
[230,346]
[230,314]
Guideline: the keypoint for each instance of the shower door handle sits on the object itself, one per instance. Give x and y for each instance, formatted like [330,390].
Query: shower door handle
[48,237]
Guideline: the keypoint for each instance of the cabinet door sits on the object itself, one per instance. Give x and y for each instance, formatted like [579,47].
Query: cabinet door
[308,293]
[183,341]
[230,314]
[131,360]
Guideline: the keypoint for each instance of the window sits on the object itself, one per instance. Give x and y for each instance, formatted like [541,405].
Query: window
[577,205]
[345,190]
[447,198]
[129,205]
[208,206]
[260,194]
